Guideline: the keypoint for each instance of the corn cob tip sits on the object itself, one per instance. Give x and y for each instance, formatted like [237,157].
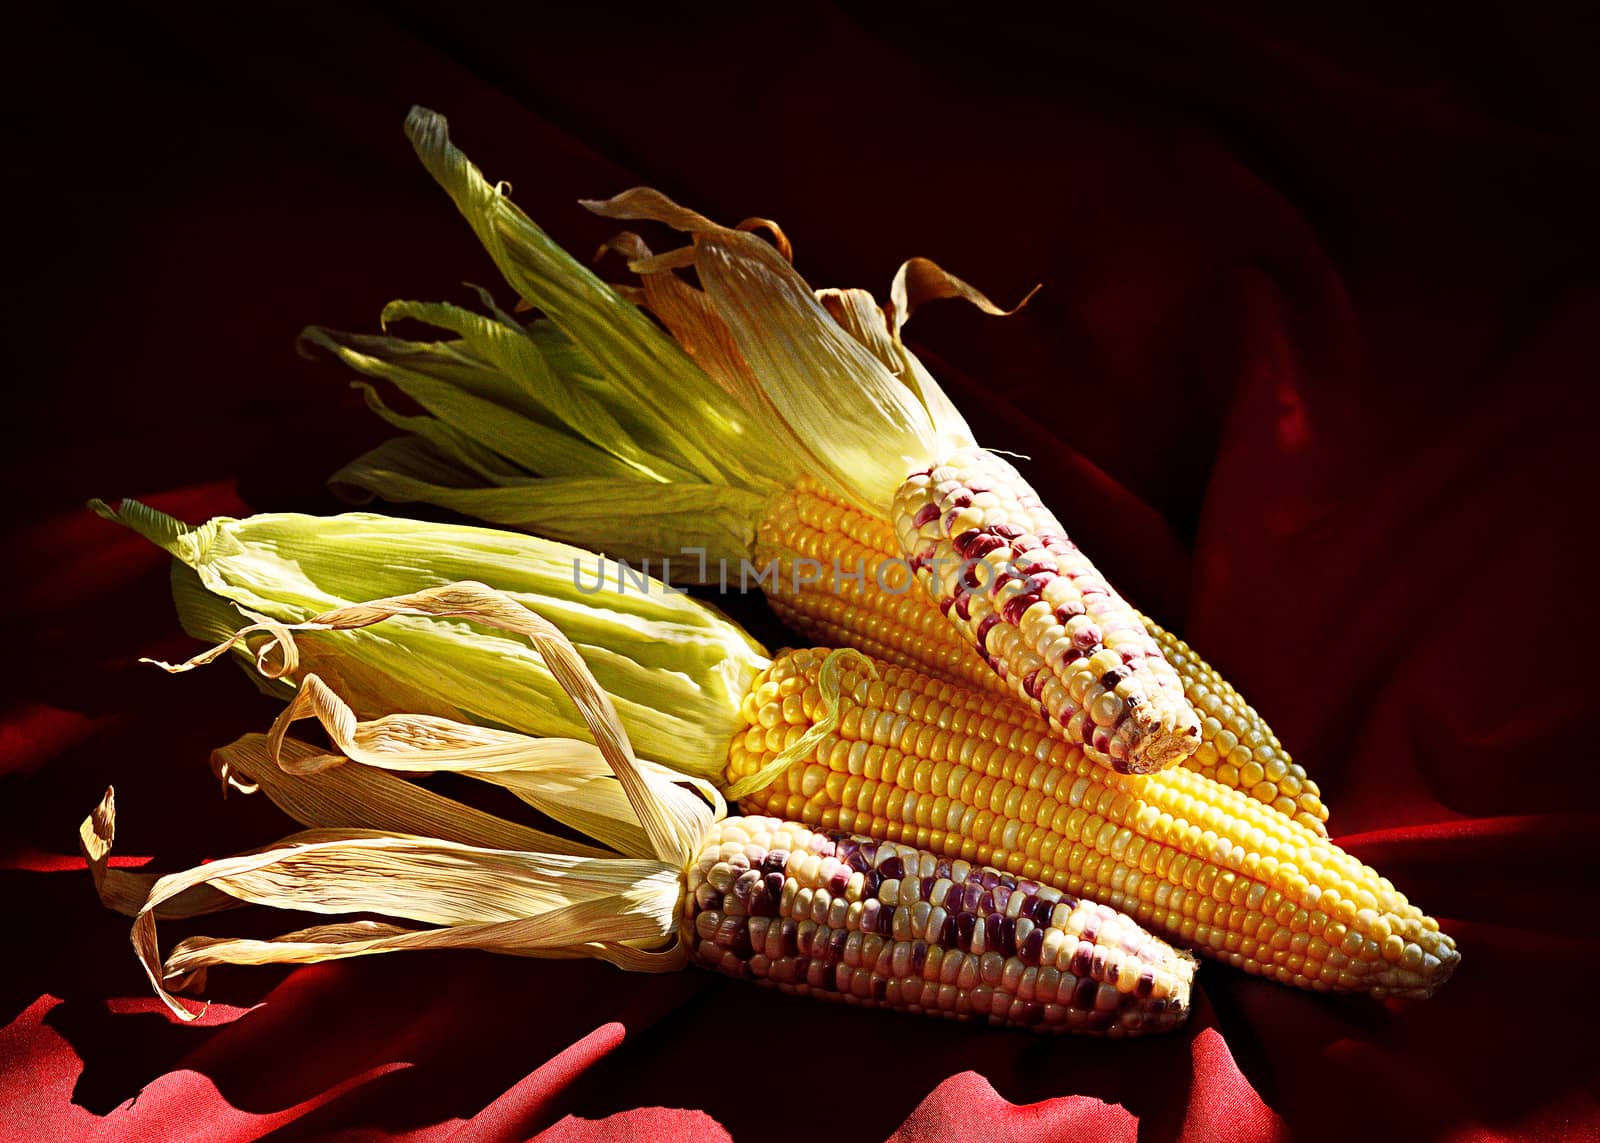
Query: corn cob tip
[1003,571]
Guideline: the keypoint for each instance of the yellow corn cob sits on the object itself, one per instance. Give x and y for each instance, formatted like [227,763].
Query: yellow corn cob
[888,619]
[927,763]
[842,917]
[1001,568]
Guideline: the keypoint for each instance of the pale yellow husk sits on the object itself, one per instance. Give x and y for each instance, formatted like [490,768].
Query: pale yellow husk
[472,885]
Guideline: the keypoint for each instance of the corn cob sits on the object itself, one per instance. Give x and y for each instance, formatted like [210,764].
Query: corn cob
[842,917]
[926,763]
[648,518]
[887,620]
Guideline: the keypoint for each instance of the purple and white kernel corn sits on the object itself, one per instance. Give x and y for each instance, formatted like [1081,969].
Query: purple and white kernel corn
[880,924]
[1002,570]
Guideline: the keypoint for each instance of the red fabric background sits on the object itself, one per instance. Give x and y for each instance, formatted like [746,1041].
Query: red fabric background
[1311,374]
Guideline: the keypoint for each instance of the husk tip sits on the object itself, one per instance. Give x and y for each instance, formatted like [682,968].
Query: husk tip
[160,529]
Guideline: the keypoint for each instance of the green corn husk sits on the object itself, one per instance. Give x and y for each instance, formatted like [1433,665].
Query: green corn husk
[595,426]
[587,418]
[677,668]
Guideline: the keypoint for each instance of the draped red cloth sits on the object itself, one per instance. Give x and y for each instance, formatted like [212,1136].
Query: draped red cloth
[1310,376]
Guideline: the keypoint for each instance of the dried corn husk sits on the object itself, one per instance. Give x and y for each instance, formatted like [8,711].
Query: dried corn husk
[563,901]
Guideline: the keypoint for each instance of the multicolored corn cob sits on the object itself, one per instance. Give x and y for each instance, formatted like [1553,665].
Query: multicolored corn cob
[925,762]
[1001,568]
[842,917]
[888,618]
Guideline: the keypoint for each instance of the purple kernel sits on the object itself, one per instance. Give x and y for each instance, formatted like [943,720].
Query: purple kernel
[886,922]
[1033,683]
[1010,927]
[927,888]
[880,989]
[1006,531]
[1146,984]
[941,869]
[964,607]
[981,545]
[871,881]
[984,627]
[1083,994]
[1111,678]
[957,500]
[970,577]
[789,933]
[1101,740]
[1087,638]
[892,868]
[1000,580]
[1068,611]
[774,885]
[1091,930]
[1016,605]
[965,538]
[926,514]
[1001,897]
[860,861]
[1031,946]
[839,882]
[919,957]
[971,894]
[994,934]
[836,945]
[944,607]
[776,861]
[1081,959]
[1097,964]
[965,923]
[947,933]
